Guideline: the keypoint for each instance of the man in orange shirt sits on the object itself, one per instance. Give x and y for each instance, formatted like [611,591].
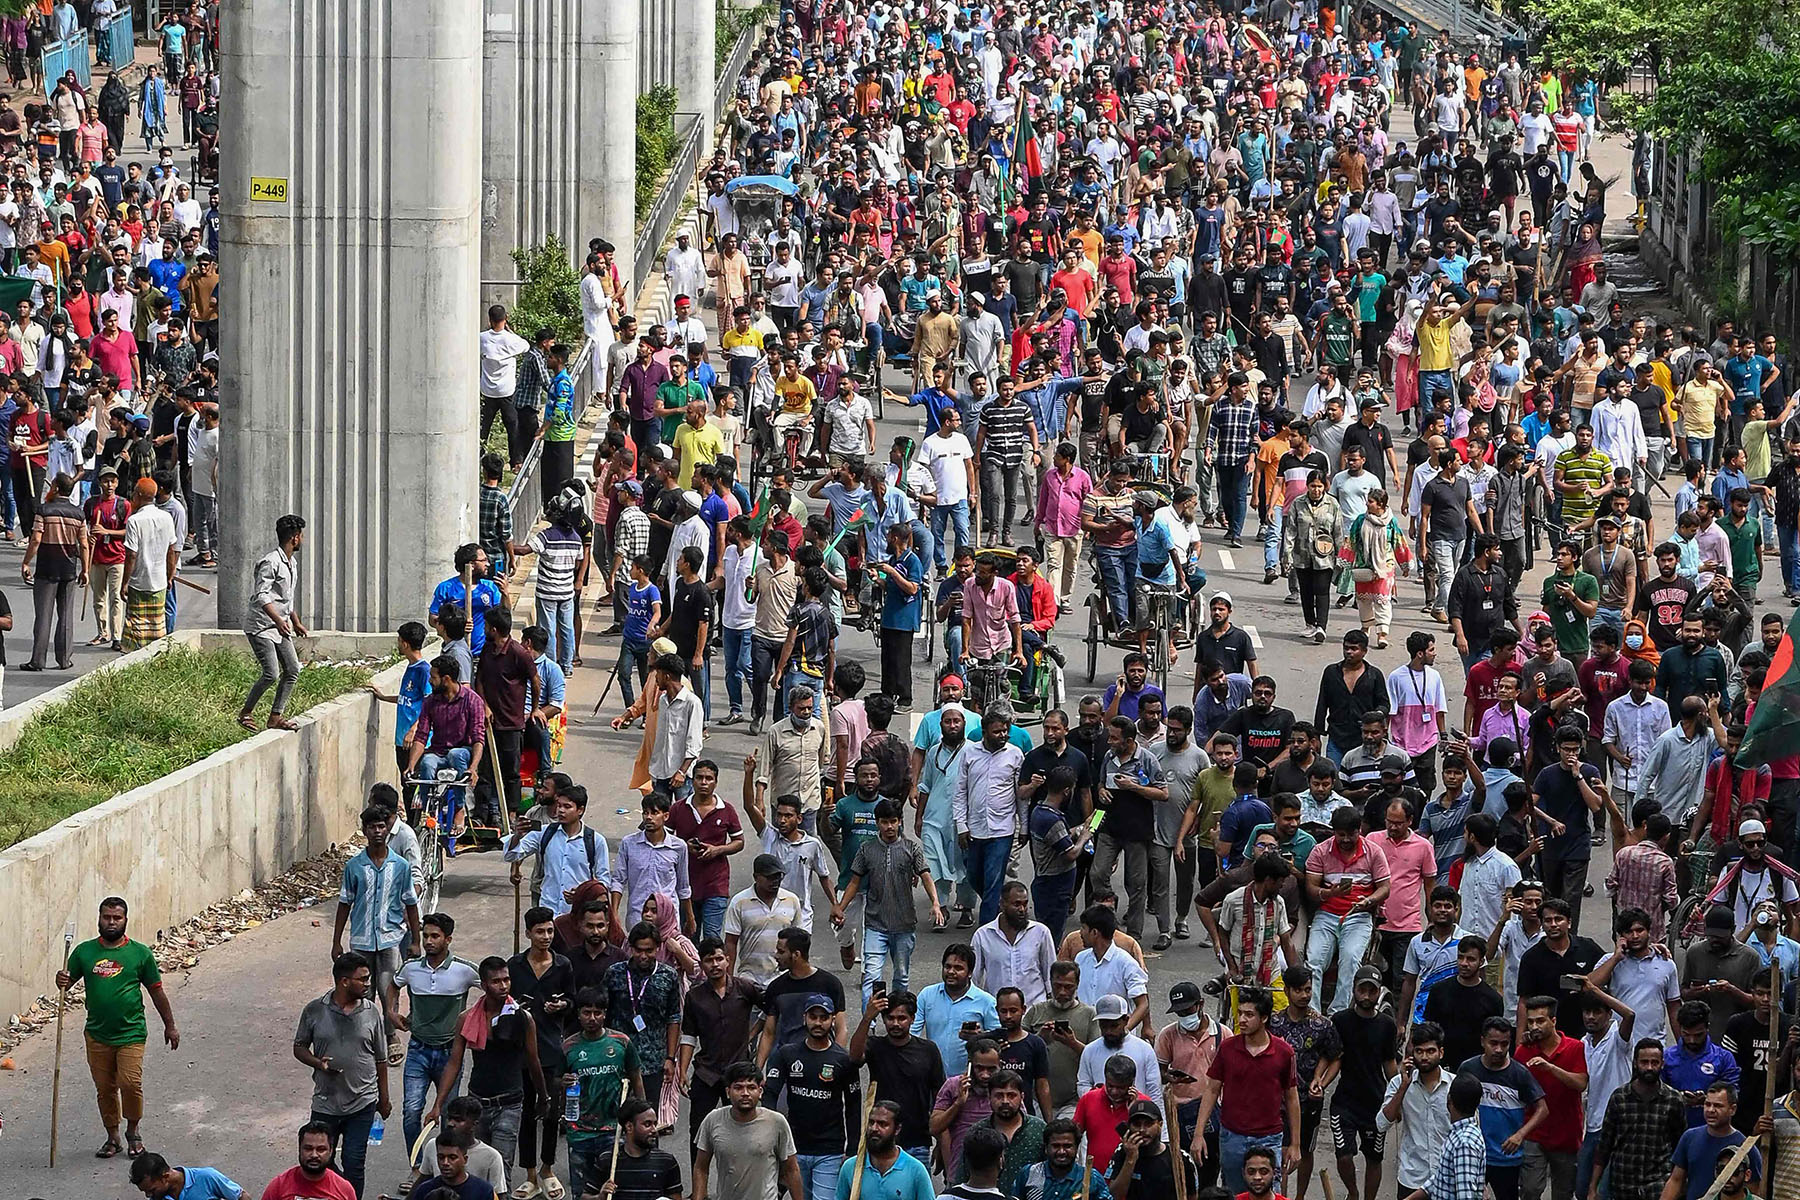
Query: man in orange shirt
[1076,284]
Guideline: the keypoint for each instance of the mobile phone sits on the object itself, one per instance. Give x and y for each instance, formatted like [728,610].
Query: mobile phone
[970,1026]
[1061,1027]
[1572,983]
[878,988]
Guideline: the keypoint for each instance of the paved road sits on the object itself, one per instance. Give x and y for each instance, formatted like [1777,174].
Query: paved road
[232,1095]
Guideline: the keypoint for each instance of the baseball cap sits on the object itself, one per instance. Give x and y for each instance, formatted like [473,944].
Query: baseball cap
[1183,995]
[1719,917]
[630,485]
[767,865]
[1111,1008]
[1370,403]
[1394,764]
[819,1000]
[1144,1108]
[1368,975]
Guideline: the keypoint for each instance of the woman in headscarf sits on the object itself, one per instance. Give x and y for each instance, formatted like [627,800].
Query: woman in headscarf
[1580,259]
[677,952]
[568,926]
[1638,643]
[1376,550]
[1403,357]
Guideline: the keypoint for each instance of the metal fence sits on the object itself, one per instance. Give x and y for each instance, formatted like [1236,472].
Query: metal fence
[71,54]
[667,204]
[1681,220]
[526,497]
[729,71]
[117,44]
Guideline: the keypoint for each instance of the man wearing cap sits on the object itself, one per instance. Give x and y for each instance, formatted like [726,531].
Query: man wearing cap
[757,916]
[1719,969]
[1143,1165]
[824,1098]
[1112,1014]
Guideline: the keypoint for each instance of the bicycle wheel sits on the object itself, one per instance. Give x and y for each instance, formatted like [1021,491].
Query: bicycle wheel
[1093,644]
[431,867]
[1055,691]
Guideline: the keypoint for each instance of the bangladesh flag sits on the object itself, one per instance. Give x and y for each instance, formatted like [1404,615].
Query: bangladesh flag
[855,523]
[1775,725]
[758,516]
[1025,161]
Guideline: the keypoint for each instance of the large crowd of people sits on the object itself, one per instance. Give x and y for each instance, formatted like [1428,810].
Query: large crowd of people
[1147,267]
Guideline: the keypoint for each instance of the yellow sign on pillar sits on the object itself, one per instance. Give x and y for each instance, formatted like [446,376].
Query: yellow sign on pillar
[269,189]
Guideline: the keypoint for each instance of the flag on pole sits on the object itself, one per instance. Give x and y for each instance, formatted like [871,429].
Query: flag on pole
[1026,160]
[758,517]
[1775,724]
[857,521]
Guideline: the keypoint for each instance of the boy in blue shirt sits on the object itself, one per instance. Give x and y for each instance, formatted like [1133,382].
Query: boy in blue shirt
[1241,815]
[643,612]
[415,685]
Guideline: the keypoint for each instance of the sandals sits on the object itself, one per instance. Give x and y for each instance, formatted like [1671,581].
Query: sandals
[250,724]
[277,722]
[134,1145]
[553,1188]
[109,1149]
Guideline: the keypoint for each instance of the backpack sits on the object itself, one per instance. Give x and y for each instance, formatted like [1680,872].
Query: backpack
[588,840]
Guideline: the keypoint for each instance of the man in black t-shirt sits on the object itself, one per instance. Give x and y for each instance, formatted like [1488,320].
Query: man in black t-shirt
[689,621]
[824,1092]
[786,997]
[1460,1004]
[1370,1056]
[1559,953]
[643,1171]
[904,1069]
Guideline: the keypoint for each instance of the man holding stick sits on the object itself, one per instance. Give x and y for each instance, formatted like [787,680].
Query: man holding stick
[116,968]
[883,1171]
[641,1170]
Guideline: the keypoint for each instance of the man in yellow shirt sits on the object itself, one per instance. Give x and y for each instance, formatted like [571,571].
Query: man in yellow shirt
[743,346]
[1701,400]
[696,442]
[1437,360]
[796,393]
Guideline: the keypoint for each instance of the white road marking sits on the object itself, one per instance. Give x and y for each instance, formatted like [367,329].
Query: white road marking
[1225,560]
[1255,637]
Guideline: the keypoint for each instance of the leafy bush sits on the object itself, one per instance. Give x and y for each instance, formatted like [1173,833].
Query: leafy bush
[656,144]
[549,292]
[122,729]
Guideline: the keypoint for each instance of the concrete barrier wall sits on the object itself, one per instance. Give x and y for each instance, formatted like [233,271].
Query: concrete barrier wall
[234,820]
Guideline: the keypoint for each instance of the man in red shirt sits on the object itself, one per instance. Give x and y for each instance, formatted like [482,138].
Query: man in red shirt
[106,515]
[1559,1065]
[313,1179]
[1102,1112]
[1482,688]
[1076,284]
[1264,1097]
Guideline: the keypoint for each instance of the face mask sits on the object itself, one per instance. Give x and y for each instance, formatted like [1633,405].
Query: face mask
[1634,642]
[799,722]
[1190,1022]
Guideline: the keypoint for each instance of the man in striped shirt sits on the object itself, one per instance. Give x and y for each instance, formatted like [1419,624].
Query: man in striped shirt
[1006,429]
[59,543]
[1461,1172]
[1582,474]
[562,557]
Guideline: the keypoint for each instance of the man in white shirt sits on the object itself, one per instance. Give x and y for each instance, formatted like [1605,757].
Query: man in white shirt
[984,805]
[1014,951]
[501,349]
[951,461]
[1107,970]
[684,267]
[1113,1015]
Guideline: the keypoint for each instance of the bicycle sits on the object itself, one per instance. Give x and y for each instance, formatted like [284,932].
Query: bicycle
[1163,598]
[447,789]
[990,679]
[865,368]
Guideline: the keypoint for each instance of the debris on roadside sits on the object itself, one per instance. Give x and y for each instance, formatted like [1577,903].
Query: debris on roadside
[308,883]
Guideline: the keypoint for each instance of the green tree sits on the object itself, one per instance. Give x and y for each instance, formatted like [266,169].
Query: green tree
[549,292]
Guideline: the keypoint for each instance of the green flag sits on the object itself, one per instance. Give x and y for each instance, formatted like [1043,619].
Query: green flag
[14,288]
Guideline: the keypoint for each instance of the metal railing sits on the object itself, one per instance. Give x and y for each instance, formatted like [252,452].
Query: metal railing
[726,89]
[667,204]
[525,498]
[70,54]
[118,43]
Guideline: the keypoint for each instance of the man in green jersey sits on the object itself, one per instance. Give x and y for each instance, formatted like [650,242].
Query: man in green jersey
[117,970]
[602,1065]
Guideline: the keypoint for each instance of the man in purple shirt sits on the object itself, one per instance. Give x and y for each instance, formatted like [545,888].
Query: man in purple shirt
[638,384]
[451,726]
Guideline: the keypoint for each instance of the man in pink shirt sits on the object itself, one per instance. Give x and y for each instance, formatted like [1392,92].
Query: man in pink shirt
[1060,495]
[991,614]
[115,352]
[1412,873]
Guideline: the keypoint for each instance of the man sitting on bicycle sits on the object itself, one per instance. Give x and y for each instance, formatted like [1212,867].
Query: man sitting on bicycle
[797,394]
[1143,428]
[451,729]
[1158,538]
[991,624]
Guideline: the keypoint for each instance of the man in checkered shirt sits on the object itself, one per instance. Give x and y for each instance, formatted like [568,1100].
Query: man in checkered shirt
[1231,445]
[1462,1164]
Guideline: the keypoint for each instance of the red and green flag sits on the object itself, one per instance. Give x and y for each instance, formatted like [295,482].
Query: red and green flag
[758,516]
[1774,729]
[856,523]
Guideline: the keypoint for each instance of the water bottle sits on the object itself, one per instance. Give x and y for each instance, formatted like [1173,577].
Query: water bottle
[572,1102]
[375,1131]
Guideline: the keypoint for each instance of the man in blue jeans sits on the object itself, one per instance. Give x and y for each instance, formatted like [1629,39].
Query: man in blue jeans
[439,984]
[984,806]
[884,869]
[1231,448]
[341,1037]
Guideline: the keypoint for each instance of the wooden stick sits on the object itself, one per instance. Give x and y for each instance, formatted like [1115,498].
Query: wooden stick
[1325,1178]
[62,1002]
[1776,1058]
[184,581]
[612,1172]
[862,1146]
[1174,1132]
[518,877]
[1087,1169]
